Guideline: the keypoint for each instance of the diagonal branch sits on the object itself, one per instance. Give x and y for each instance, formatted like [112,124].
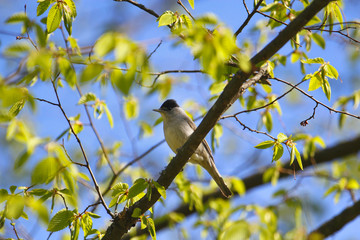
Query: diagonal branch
[237,86]
[338,222]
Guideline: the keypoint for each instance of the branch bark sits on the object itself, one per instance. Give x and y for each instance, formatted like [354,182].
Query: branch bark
[336,223]
[327,155]
[237,86]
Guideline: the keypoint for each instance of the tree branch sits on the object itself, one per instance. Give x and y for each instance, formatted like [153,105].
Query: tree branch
[339,221]
[237,86]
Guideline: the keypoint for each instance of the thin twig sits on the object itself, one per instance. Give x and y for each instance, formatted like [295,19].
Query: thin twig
[317,101]
[253,130]
[87,110]
[113,179]
[141,6]
[148,57]
[247,10]
[250,15]
[182,5]
[16,233]
[305,122]
[44,100]
[82,151]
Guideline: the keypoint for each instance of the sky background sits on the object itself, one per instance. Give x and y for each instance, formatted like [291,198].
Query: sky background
[236,146]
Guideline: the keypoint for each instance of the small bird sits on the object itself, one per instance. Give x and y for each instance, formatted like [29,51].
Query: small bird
[178,127]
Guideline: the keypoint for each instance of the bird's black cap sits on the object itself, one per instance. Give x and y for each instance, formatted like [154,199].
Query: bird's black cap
[169,104]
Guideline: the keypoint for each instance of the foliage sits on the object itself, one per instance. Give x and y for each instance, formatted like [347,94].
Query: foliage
[56,173]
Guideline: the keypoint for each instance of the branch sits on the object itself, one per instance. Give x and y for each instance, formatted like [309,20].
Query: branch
[250,15]
[150,11]
[341,150]
[236,87]
[336,223]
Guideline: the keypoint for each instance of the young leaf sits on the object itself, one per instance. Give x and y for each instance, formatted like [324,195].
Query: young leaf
[278,151]
[313,60]
[319,40]
[42,7]
[88,97]
[131,108]
[298,158]
[151,228]
[109,115]
[266,144]
[281,137]
[136,213]
[139,186]
[60,220]
[160,189]
[191,2]
[166,18]
[54,18]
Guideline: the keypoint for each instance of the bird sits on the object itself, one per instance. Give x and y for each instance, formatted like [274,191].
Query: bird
[178,127]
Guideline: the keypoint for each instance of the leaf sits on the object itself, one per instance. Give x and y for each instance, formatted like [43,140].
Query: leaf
[42,7]
[167,18]
[139,186]
[88,97]
[265,144]
[331,72]
[160,189]
[281,137]
[298,158]
[292,154]
[267,120]
[318,39]
[278,151]
[109,116]
[60,220]
[86,224]
[14,207]
[326,89]
[191,2]
[18,18]
[91,71]
[151,228]
[315,82]
[131,108]
[313,60]
[54,18]
[238,185]
[44,171]
[136,213]
[352,184]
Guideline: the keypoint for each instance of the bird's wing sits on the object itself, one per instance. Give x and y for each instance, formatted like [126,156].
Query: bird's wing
[204,142]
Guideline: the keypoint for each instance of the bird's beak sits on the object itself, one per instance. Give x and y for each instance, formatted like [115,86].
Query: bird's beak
[158,110]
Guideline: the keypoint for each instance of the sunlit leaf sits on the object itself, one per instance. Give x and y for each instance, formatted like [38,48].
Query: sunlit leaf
[54,18]
[60,220]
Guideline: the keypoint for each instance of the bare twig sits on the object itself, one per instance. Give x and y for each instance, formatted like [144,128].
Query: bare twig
[305,122]
[182,5]
[14,228]
[317,101]
[148,57]
[82,151]
[247,10]
[44,100]
[141,6]
[87,110]
[253,130]
[250,15]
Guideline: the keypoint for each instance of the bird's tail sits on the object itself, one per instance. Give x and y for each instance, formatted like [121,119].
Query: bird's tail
[212,170]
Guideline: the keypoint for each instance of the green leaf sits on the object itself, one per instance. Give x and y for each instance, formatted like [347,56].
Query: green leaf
[60,220]
[91,71]
[315,82]
[292,154]
[71,7]
[86,224]
[313,60]
[167,18]
[139,186]
[67,71]
[238,185]
[330,71]
[278,151]
[191,2]
[319,40]
[75,229]
[136,213]
[54,18]
[109,115]
[298,158]
[93,215]
[45,170]
[18,18]
[42,7]
[88,97]
[131,108]
[160,189]
[14,207]
[352,184]
[267,120]
[151,228]
[326,88]
[265,144]
[281,137]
